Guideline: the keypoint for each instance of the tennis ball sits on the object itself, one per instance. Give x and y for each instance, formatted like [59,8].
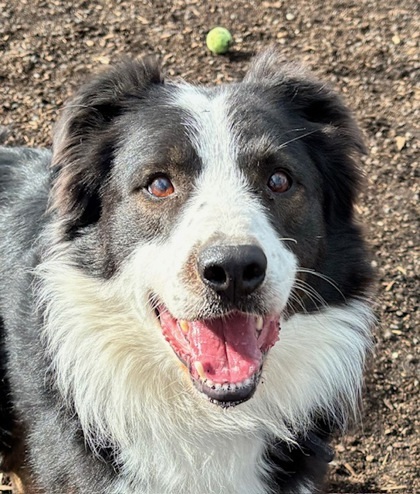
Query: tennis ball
[219,40]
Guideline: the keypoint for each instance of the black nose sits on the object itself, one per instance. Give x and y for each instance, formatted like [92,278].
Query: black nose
[232,270]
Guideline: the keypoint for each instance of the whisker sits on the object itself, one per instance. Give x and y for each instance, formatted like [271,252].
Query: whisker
[295,297]
[323,277]
[289,239]
[284,144]
[311,293]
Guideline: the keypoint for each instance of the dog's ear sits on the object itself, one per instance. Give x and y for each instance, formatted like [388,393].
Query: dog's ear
[331,134]
[84,144]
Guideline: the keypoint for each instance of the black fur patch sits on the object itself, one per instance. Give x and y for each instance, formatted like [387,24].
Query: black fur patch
[84,140]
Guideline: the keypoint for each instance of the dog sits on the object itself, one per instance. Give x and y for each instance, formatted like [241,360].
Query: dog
[185,289]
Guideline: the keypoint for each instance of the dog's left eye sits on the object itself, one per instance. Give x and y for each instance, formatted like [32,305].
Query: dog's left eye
[160,186]
[279,182]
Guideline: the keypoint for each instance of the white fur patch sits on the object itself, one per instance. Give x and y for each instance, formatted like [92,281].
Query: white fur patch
[127,386]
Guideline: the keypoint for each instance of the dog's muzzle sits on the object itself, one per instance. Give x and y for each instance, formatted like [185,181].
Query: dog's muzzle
[225,353]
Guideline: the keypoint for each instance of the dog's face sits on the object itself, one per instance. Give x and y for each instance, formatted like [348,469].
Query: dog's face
[216,204]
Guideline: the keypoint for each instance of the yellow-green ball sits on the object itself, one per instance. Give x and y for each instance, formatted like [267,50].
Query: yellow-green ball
[219,40]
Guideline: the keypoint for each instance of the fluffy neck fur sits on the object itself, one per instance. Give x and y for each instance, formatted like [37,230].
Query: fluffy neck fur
[128,388]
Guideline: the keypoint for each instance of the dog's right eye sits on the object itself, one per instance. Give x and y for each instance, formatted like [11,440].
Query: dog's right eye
[160,187]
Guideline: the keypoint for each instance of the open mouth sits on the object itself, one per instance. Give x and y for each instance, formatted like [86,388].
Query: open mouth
[224,355]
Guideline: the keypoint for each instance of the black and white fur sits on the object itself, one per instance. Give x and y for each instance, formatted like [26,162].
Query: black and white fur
[94,400]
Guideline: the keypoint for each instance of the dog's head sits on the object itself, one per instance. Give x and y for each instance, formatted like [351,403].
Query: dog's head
[224,209]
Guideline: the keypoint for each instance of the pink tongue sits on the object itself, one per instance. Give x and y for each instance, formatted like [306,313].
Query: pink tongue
[227,348]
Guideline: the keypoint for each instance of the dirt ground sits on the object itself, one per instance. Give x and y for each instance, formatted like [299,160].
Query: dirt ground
[369,50]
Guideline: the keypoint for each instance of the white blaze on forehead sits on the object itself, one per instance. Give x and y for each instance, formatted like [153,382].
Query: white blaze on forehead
[221,186]
[208,123]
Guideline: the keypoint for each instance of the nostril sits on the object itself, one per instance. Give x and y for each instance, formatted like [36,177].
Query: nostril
[253,272]
[216,275]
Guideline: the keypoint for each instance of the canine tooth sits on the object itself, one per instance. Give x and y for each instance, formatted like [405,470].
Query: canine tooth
[184,326]
[200,369]
[218,386]
[259,322]
[209,383]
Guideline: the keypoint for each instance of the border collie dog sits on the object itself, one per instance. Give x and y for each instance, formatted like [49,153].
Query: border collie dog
[184,289]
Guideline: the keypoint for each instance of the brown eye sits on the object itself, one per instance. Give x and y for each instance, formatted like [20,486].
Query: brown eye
[160,187]
[279,182]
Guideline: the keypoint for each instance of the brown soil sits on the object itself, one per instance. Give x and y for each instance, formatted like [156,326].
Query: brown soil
[368,49]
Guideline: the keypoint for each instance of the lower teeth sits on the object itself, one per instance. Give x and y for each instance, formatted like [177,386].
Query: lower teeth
[226,386]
